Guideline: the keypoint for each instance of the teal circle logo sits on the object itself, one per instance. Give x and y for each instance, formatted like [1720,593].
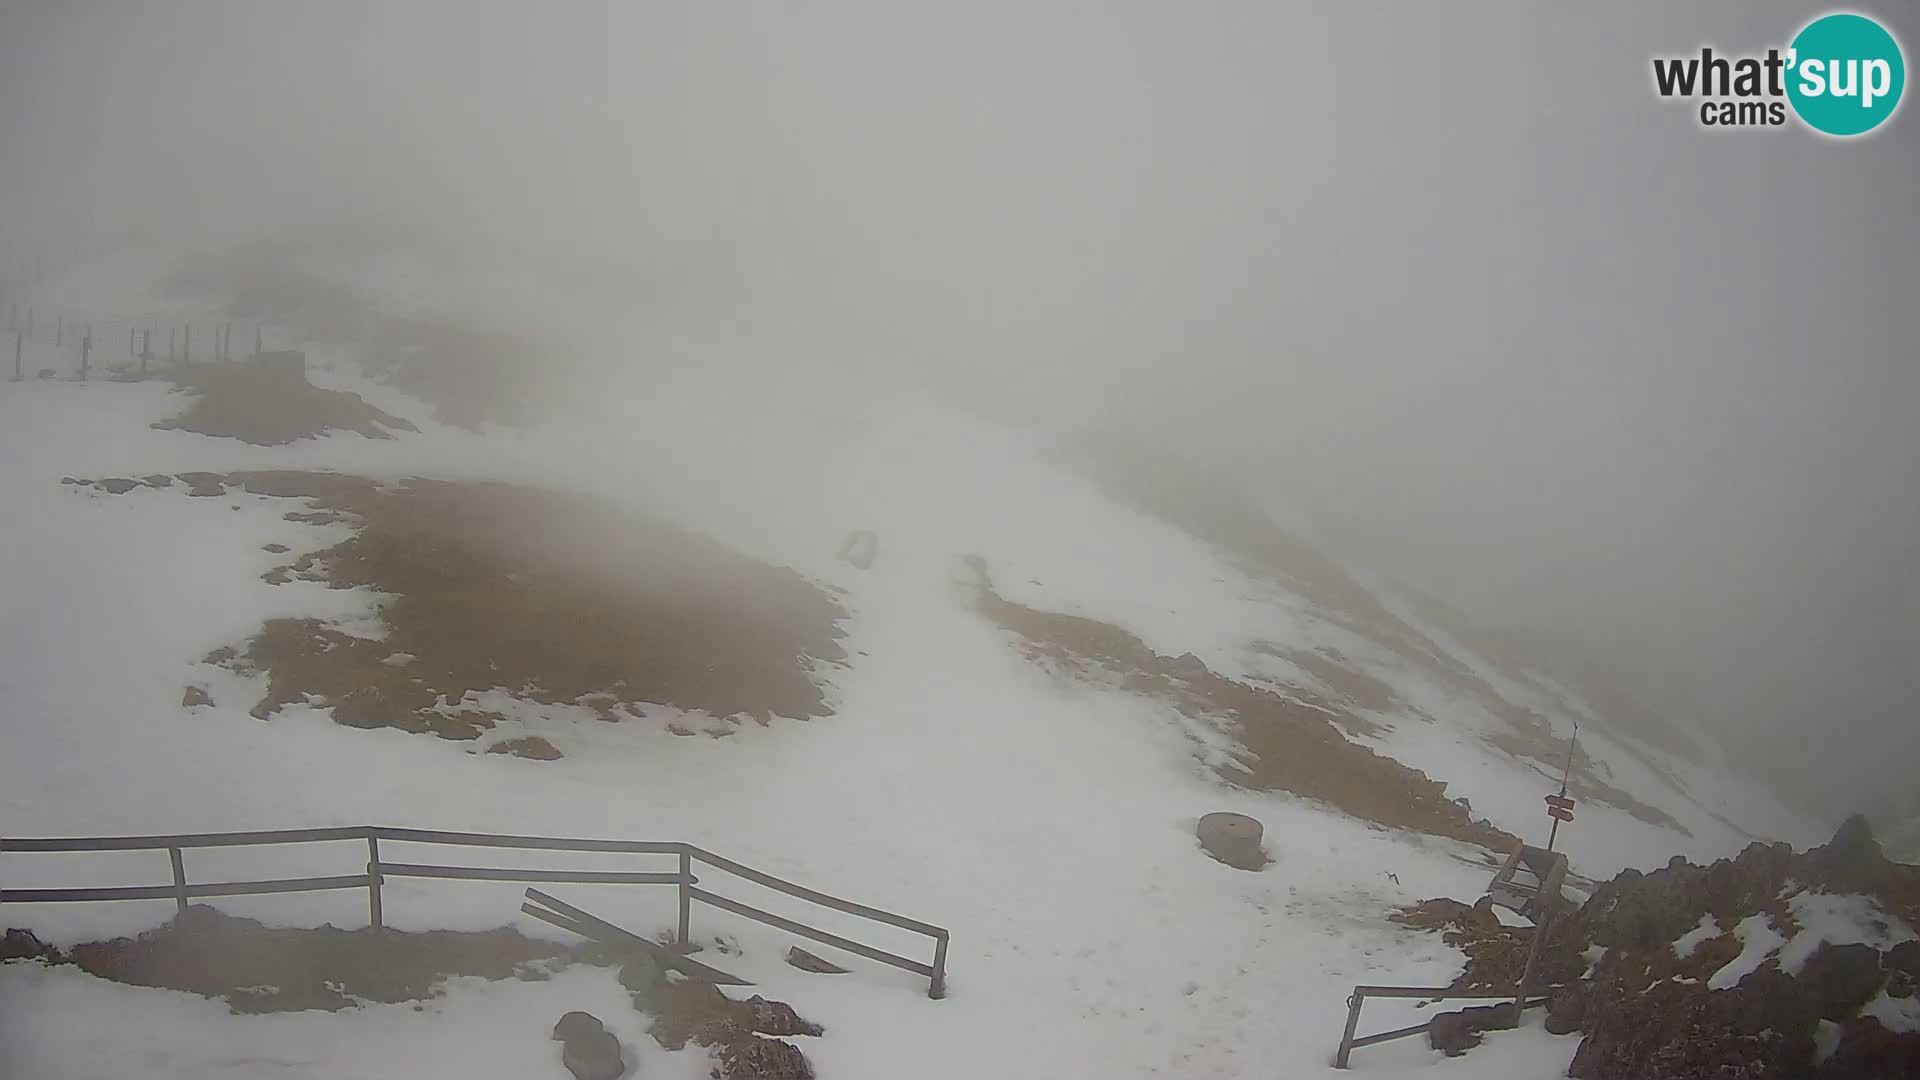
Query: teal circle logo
[1846,74]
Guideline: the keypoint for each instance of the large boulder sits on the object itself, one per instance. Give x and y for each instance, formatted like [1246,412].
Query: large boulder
[1455,1033]
[587,1049]
[1760,1030]
[1234,839]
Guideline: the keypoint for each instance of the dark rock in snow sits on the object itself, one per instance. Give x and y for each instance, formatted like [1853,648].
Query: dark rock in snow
[1567,1009]
[1455,1033]
[527,746]
[23,945]
[1233,839]
[759,1058]
[157,480]
[1841,978]
[588,1049]
[1762,1030]
[576,1024]
[806,961]
[1905,958]
[778,1018]
[118,485]
[593,1057]
[194,696]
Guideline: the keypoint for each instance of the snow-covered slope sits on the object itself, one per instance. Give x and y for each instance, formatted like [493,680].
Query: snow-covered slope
[1047,823]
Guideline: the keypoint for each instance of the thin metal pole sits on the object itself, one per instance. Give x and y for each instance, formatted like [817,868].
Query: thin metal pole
[1341,1055]
[374,914]
[17,339]
[179,880]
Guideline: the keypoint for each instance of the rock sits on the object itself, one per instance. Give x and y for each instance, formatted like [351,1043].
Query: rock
[778,1018]
[157,480]
[759,1058]
[1841,978]
[1567,1008]
[1868,1051]
[588,1049]
[1233,839]
[277,549]
[593,1056]
[23,945]
[1455,1033]
[1900,985]
[527,746]
[74,480]
[1905,958]
[194,696]
[118,485]
[1760,1030]
[806,961]
[576,1024]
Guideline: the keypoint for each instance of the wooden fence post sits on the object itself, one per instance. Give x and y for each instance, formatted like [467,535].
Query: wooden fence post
[186,347]
[937,989]
[17,339]
[374,914]
[179,880]
[1341,1055]
[86,351]
[686,899]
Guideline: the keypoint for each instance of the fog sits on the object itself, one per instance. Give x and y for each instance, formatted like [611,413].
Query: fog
[1449,278]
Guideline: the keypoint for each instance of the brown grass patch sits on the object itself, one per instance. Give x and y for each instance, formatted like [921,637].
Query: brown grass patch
[1169,489]
[271,406]
[262,969]
[552,597]
[1287,745]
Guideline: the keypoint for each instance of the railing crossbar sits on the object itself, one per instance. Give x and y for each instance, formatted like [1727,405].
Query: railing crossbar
[804,930]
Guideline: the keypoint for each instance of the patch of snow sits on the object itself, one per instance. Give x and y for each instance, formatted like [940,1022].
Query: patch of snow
[1708,929]
[1839,919]
[1759,940]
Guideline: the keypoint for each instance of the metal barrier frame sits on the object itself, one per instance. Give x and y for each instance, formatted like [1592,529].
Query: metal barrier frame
[181,891]
[1348,1043]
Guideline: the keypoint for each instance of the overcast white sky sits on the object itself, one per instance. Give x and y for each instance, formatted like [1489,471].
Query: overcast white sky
[1449,275]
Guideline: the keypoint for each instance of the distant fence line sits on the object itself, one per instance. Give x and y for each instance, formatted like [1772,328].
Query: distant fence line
[151,339]
[181,891]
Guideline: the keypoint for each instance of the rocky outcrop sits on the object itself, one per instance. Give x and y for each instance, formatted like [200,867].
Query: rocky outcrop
[1651,1010]
[1233,839]
[587,1048]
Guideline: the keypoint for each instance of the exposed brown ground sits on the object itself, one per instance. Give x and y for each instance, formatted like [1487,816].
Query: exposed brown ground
[1164,488]
[555,598]
[261,969]
[271,407]
[1287,745]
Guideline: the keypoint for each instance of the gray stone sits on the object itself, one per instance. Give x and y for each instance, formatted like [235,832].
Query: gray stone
[806,961]
[1233,839]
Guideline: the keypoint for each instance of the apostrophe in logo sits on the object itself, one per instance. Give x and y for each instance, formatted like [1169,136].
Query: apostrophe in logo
[1846,74]
[1843,75]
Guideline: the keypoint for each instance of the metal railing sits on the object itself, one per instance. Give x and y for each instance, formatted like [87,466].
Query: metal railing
[181,890]
[1348,1043]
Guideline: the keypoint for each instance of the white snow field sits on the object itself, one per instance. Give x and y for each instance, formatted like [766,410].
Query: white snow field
[1048,825]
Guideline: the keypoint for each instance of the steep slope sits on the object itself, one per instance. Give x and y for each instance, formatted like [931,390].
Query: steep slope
[1043,812]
